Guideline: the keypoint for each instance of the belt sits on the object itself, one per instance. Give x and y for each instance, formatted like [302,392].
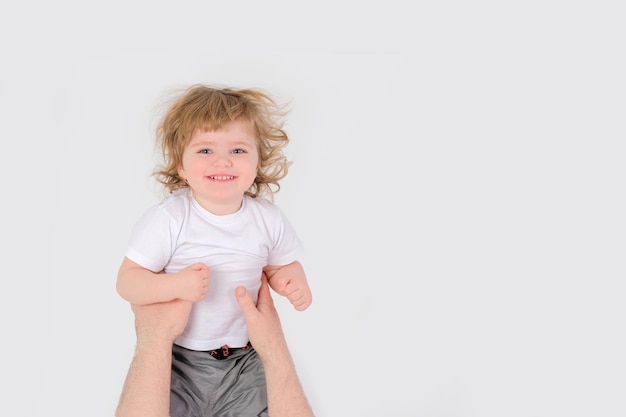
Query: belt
[225,351]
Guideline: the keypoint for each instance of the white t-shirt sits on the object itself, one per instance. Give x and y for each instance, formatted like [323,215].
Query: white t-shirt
[179,232]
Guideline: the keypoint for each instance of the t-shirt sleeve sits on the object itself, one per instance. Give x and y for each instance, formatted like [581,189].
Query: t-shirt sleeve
[287,246]
[152,240]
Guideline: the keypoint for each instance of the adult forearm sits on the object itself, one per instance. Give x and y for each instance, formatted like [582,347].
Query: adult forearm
[286,396]
[146,391]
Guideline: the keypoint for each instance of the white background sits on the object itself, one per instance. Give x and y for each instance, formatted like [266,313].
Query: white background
[458,183]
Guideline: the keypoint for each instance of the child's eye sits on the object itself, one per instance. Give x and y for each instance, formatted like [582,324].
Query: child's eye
[205,151]
[239,150]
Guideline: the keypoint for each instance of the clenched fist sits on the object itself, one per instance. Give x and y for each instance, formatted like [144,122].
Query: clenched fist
[192,282]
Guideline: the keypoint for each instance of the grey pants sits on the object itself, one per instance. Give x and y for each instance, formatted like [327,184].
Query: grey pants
[203,386]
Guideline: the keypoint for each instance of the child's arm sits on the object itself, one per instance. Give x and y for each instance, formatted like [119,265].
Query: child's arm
[141,286]
[290,281]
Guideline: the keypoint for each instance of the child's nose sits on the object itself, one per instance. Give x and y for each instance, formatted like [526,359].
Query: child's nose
[223,160]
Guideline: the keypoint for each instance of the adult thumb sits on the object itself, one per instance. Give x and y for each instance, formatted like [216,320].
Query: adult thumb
[244,299]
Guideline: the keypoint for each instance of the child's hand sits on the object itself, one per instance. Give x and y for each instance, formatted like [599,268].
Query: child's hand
[295,288]
[192,282]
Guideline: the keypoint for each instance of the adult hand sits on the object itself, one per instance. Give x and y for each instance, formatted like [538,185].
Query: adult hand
[285,396]
[264,328]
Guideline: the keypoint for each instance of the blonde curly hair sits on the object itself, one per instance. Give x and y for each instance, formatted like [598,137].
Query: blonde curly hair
[202,107]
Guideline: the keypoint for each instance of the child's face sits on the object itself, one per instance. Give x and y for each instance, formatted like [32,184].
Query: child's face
[220,166]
